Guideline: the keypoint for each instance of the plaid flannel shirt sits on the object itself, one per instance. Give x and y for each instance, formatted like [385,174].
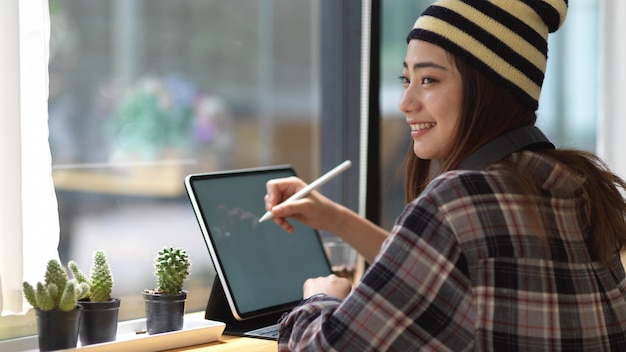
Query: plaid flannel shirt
[463,270]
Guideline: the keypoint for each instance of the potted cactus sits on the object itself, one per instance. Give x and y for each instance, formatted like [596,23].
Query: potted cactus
[165,305]
[100,311]
[55,302]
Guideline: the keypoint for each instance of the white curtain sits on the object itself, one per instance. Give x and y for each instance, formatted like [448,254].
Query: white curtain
[29,225]
[612,121]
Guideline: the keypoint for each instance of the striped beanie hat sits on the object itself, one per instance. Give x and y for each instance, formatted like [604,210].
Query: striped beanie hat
[504,39]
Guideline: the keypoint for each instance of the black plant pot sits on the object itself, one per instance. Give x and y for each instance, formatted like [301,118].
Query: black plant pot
[99,321]
[58,330]
[164,312]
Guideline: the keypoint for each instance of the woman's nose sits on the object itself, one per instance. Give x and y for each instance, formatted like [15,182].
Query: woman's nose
[408,101]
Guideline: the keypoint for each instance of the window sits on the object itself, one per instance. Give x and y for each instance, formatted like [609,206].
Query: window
[143,93]
[233,84]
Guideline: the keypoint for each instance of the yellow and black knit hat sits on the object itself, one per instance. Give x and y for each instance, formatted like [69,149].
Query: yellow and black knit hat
[504,39]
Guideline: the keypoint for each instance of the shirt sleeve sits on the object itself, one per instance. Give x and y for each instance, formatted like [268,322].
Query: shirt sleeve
[415,295]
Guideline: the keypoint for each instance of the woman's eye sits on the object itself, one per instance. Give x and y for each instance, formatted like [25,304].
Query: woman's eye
[428,80]
[404,80]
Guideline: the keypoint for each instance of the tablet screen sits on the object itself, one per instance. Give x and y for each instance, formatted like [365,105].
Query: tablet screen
[262,267]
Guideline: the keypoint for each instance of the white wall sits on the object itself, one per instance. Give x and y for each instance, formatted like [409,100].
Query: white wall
[612,117]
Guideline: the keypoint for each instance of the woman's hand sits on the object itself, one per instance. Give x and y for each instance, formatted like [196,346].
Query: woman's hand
[314,210]
[331,285]
[321,213]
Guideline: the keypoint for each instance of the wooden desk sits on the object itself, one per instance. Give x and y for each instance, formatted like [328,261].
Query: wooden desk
[232,344]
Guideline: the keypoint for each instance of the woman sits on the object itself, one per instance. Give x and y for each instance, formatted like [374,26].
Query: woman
[505,245]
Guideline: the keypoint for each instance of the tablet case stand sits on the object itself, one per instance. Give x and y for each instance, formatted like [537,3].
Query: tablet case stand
[218,309]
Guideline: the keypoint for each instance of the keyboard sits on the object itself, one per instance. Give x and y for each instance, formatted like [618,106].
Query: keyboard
[266,332]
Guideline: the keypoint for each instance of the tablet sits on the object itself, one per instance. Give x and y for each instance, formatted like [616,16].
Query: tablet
[260,266]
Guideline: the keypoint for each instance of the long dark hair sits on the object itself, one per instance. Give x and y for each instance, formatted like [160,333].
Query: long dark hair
[482,120]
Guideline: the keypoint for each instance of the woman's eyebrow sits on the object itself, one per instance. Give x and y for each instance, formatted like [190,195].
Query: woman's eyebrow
[424,65]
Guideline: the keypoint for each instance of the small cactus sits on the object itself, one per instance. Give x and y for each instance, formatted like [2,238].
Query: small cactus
[172,268]
[100,279]
[57,292]
[68,298]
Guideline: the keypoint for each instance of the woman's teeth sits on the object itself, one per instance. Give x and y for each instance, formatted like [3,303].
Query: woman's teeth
[422,126]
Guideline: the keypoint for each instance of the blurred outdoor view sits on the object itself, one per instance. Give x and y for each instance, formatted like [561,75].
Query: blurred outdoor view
[143,93]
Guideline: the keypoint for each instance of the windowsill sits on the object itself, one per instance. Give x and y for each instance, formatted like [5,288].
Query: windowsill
[132,336]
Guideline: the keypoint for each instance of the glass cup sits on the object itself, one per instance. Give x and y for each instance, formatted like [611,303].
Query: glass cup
[342,258]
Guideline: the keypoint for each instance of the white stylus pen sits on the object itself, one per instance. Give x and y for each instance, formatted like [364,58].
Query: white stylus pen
[313,185]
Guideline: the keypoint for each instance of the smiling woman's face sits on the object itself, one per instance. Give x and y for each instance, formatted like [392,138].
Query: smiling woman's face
[431,98]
